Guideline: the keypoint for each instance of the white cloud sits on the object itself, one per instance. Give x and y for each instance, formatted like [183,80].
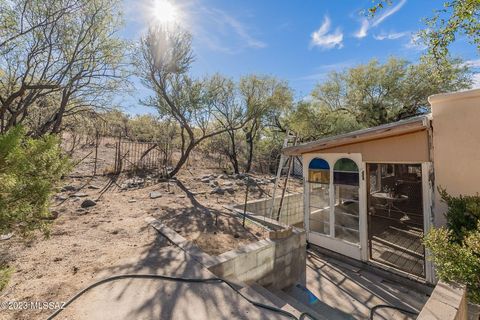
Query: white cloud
[415,42]
[322,38]
[363,31]
[321,73]
[473,63]
[476,80]
[368,24]
[391,36]
[239,29]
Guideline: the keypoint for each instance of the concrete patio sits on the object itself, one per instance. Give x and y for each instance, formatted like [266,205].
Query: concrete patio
[159,299]
[337,289]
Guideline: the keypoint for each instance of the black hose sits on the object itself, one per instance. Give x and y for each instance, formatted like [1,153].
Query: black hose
[178,279]
[381,306]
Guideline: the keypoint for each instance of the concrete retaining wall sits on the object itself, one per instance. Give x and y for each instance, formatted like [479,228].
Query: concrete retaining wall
[447,302]
[277,263]
[292,208]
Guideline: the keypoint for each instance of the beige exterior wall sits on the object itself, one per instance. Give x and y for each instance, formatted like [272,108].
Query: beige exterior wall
[410,147]
[456,145]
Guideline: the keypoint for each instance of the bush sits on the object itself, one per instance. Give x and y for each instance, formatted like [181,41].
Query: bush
[456,249]
[5,273]
[29,171]
[463,214]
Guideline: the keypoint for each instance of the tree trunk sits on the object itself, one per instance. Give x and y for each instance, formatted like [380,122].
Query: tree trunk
[182,159]
[233,155]
[248,167]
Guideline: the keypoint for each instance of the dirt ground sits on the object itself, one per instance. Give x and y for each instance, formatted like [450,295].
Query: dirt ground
[83,242]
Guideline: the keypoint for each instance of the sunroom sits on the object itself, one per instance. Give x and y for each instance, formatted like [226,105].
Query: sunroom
[367,194]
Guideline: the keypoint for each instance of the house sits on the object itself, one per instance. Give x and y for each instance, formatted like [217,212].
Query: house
[372,194]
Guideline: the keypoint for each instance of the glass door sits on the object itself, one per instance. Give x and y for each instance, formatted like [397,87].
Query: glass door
[395,216]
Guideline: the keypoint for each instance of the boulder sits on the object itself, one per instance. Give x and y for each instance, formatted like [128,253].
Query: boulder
[87,203]
[229,189]
[218,190]
[155,195]
[214,184]
[69,188]
[80,195]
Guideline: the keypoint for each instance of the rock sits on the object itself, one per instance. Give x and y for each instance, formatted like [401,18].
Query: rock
[205,180]
[69,188]
[6,236]
[214,184]
[181,196]
[88,203]
[241,176]
[132,201]
[53,214]
[229,189]
[240,183]
[222,176]
[81,211]
[155,195]
[61,197]
[76,199]
[228,184]
[218,190]
[80,195]
[93,187]
[236,236]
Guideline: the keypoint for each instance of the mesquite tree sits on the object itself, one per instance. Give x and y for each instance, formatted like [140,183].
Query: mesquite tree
[163,64]
[57,58]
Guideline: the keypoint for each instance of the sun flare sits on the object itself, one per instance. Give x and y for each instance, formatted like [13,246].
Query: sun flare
[164,12]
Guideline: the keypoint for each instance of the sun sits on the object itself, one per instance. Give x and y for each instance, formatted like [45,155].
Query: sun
[164,12]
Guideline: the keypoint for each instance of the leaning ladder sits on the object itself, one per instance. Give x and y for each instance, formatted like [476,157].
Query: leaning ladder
[286,162]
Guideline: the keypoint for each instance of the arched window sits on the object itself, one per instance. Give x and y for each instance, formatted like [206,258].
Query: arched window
[319,171]
[346,185]
[319,182]
[345,172]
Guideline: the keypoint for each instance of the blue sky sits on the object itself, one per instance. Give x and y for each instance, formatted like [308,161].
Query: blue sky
[298,41]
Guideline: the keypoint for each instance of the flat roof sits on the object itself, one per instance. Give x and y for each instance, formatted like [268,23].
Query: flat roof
[464,94]
[409,125]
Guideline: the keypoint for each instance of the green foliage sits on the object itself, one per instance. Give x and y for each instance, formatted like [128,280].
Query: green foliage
[455,19]
[376,94]
[456,249]
[5,274]
[463,214]
[313,120]
[458,262]
[29,171]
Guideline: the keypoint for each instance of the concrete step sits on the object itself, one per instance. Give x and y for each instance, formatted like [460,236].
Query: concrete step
[273,301]
[299,305]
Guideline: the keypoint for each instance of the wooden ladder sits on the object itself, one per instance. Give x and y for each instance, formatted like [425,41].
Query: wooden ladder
[286,162]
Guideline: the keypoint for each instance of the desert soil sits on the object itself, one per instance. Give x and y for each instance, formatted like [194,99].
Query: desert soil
[85,242]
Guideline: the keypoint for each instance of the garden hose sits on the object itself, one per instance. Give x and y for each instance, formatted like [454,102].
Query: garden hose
[180,279]
[381,306]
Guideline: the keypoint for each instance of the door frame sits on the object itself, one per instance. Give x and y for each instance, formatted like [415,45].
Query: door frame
[356,251]
[427,192]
